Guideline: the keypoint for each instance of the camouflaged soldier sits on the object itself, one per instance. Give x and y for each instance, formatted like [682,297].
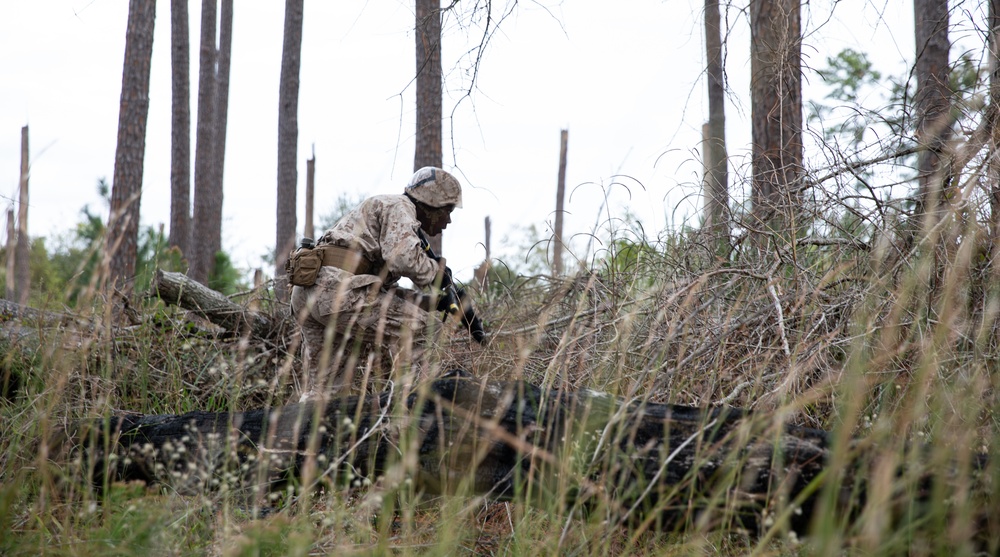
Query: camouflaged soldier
[355,295]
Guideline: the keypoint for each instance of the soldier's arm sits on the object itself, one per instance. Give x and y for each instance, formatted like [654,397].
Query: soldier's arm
[401,248]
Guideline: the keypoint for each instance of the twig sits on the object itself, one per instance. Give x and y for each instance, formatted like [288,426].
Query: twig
[781,318]
[817,241]
[739,389]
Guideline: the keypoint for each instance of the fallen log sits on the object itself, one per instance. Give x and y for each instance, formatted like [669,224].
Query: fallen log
[640,462]
[177,289]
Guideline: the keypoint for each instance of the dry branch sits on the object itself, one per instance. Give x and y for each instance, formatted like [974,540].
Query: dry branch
[179,290]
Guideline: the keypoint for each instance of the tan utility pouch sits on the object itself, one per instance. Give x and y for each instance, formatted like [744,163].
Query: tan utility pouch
[303,264]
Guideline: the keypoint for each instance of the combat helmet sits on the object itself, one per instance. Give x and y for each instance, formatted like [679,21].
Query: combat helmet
[434,187]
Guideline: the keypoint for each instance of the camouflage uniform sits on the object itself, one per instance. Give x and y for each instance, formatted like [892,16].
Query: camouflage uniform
[367,308]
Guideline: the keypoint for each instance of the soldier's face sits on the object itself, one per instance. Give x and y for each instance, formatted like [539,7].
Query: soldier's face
[434,220]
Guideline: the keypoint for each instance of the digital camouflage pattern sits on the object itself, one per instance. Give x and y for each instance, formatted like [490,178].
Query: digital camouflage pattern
[435,187]
[367,308]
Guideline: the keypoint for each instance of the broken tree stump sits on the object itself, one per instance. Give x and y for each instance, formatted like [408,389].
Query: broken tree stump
[642,461]
[180,290]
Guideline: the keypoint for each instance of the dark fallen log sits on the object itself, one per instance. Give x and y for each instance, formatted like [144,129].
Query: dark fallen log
[177,289]
[639,461]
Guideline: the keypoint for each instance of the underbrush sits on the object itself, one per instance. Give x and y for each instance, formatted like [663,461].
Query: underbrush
[892,348]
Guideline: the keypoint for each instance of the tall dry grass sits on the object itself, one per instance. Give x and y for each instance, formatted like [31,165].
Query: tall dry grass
[886,338]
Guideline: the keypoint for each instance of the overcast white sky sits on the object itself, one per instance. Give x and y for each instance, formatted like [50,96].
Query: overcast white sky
[624,77]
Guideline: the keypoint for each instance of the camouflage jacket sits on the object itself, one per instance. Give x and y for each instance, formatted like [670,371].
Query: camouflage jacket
[384,229]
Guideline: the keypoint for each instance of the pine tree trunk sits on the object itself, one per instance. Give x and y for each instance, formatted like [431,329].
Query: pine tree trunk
[557,251]
[993,38]
[126,190]
[180,129]
[288,137]
[22,250]
[202,257]
[429,85]
[213,205]
[931,101]
[776,105]
[717,165]
[10,291]
[310,193]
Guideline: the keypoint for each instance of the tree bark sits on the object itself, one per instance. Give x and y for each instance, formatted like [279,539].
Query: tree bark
[10,292]
[557,252]
[22,249]
[310,194]
[202,257]
[993,23]
[429,91]
[288,137]
[717,160]
[180,128]
[638,460]
[932,104]
[180,290]
[126,190]
[776,106]
[214,201]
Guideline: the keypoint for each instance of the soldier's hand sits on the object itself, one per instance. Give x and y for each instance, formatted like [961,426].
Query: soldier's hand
[444,279]
[447,301]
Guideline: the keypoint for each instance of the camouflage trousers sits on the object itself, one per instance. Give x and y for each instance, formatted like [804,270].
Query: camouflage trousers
[348,324]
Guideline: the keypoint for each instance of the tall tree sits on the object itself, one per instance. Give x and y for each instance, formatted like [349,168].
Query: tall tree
[10,292]
[993,22]
[22,250]
[310,193]
[776,106]
[716,159]
[213,201]
[931,101]
[180,127]
[202,257]
[126,189]
[557,263]
[429,86]
[288,137]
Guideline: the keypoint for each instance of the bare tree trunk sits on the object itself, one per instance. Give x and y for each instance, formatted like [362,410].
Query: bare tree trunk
[557,251]
[288,137]
[310,194]
[931,101]
[126,190]
[429,75]
[220,116]
[10,291]
[258,283]
[202,258]
[481,273]
[993,23]
[776,104]
[180,129]
[22,253]
[717,165]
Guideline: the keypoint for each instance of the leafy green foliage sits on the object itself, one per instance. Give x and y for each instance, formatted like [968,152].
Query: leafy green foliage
[74,265]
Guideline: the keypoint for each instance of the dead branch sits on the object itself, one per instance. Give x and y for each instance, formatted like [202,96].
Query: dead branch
[177,289]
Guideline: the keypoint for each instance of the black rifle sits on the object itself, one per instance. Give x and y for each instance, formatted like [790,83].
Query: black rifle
[453,298]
